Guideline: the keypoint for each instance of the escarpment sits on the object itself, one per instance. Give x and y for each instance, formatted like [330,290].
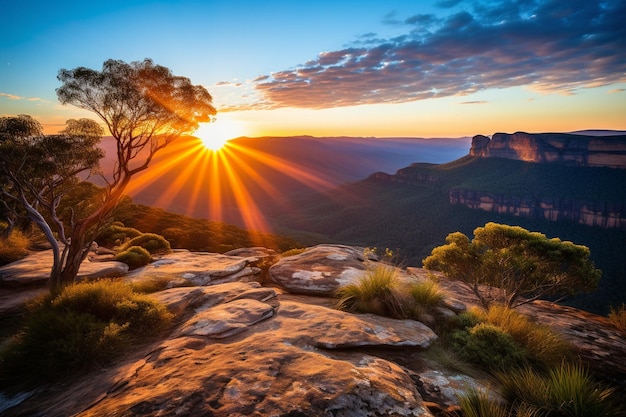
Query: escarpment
[551,176]
[570,149]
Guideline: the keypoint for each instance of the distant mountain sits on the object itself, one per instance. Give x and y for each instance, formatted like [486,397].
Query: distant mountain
[241,184]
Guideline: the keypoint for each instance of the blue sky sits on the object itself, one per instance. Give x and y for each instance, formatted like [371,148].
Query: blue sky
[359,68]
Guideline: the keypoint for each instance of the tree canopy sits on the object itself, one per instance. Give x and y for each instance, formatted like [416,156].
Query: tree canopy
[522,265]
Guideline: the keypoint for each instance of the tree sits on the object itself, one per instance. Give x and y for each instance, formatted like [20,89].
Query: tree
[522,265]
[38,171]
[145,107]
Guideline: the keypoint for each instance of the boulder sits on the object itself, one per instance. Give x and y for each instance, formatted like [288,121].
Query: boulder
[197,268]
[319,270]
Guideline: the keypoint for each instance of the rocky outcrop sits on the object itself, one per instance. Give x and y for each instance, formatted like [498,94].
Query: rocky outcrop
[570,149]
[238,348]
[405,176]
[602,214]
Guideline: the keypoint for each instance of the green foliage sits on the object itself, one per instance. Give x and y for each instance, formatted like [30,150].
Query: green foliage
[116,234]
[617,317]
[196,234]
[566,391]
[477,403]
[378,292]
[14,247]
[501,336]
[489,346]
[544,347]
[152,242]
[86,324]
[134,257]
[149,286]
[523,265]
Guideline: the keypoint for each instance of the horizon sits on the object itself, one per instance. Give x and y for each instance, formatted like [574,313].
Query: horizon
[437,69]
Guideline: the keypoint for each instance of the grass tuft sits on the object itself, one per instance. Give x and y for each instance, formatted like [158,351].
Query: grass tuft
[14,247]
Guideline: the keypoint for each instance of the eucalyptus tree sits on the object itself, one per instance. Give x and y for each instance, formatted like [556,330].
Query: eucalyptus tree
[144,107]
[520,265]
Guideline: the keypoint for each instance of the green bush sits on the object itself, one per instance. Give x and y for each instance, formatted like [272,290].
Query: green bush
[116,234]
[378,292]
[489,346]
[544,347]
[13,248]
[292,252]
[134,257]
[152,242]
[425,296]
[566,391]
[87,324]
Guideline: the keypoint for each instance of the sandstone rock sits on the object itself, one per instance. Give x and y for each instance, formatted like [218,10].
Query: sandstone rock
[197,268]
[570,149]
[319,270]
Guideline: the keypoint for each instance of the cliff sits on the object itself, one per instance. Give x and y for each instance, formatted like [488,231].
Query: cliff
[570,149]
[590,213]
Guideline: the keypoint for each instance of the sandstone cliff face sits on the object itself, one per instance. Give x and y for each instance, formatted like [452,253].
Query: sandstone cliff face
[570,149]
[602,214]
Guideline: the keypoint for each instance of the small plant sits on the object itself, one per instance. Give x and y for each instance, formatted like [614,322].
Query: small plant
[425,295]
[566,391]
[292,252]
[14,247]
[477,403]
[617,317]
[544,347]
[377,292]
[134,257]
[489,346]
[85,325]
[116,234]
[152,242]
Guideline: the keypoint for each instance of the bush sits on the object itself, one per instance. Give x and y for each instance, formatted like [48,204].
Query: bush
[152,242]
[116,234]
[618,318]
[567,391]
[378,292]
[87,324]
[489,346]
[544,347]
[134,257]
[13,248]
[425,295]
[292,252]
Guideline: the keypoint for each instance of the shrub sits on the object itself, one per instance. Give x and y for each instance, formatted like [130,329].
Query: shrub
[489,346]
[292,252]
[567,391]
[116,234]
[152,242]
[425,295]
[377,292]
[134,257]
[544,347]
[87,324]
[14,247]
[618,318]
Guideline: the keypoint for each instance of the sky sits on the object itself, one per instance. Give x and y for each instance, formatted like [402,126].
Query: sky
[413,68]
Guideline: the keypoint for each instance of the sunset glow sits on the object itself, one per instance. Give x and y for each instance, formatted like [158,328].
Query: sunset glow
[214,135]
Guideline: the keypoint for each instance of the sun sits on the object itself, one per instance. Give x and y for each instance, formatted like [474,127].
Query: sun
[215,135]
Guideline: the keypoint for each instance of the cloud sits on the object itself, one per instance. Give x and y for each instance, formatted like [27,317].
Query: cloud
[14,97]
[617,90]
[475,102]
[11,96]
[550,46]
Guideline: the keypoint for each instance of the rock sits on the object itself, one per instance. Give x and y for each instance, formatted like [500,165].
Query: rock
[254,252]
[197,268]
[319,270]
[235,357]
[34,270]
[569,149]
